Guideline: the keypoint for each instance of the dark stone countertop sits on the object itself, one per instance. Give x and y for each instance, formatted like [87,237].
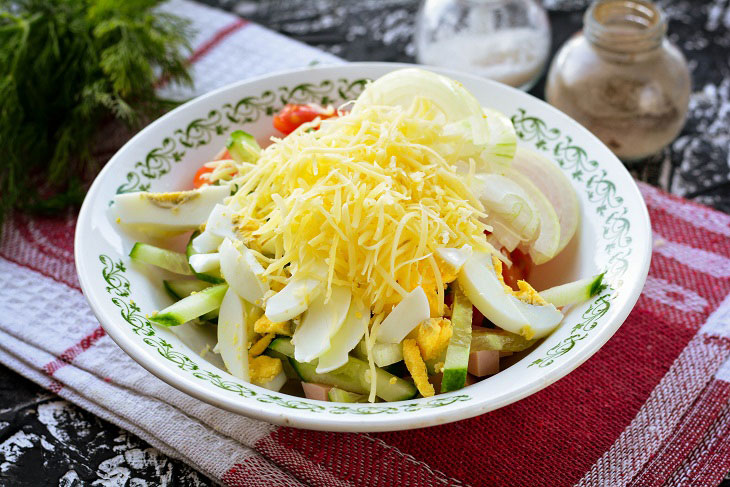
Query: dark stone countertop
[45,440]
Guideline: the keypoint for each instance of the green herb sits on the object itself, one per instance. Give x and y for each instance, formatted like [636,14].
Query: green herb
[66,66]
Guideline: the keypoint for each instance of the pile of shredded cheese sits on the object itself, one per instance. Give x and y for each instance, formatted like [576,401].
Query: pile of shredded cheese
[371,194]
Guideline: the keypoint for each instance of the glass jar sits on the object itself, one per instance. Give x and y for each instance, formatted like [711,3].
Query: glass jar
[622,79]
[505,40]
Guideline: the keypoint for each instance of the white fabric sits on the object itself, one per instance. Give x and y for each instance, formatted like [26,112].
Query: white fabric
[105,381]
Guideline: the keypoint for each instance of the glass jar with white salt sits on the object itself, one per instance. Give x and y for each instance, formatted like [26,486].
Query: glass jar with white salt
[504,40]
[622,79]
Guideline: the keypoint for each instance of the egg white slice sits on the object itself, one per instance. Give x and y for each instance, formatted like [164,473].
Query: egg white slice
[175,212]
[218,226]
[346,338]
[479,281]
[321,321]
[295,297]
[455,257]
[406,315]
[233,335]
[543,319]
[242,271]
[205,262]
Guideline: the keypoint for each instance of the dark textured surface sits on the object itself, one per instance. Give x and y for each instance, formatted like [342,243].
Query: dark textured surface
[47,441]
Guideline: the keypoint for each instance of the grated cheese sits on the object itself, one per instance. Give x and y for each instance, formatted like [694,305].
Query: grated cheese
[370,194]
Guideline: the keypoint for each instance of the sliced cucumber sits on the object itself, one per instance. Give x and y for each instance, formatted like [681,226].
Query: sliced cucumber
[308,373]
[384,354]
[243,147]
[353,376]
[339,395]
[495,339]
[387,353]
[574,292]
[191,307]
[182,288]
[166,259]
[457,353]
[361,350]
[214,276]
[288,369]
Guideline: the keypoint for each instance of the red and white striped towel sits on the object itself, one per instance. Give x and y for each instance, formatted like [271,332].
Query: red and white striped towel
[650,408]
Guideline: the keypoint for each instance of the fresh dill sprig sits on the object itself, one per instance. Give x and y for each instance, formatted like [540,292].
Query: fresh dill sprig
[65,67]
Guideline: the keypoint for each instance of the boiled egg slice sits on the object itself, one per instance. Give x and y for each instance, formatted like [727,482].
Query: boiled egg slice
[484,289]
[406,315]
[295,297]
[218,226]
[320,323]
[233,335]
[346,338]
[172,212]
[242,271]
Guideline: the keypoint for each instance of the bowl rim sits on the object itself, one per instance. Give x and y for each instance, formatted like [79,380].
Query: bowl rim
[371,423]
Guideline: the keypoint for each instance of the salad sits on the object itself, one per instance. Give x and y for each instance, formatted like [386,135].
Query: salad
[376,251]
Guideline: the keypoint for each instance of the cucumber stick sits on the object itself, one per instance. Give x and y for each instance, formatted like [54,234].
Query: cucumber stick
[340,395]
[574,292]
[166,259]
[243,147]
[384,354]
[288,369]
[308,373]
[214,277]
[457,352]
[500,340]
[191,307]
[182,288]
[351,377]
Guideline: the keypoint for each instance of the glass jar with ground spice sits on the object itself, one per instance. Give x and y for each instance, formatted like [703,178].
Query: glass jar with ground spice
[622,79]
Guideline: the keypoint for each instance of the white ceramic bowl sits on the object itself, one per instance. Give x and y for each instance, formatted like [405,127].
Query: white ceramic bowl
[614,236]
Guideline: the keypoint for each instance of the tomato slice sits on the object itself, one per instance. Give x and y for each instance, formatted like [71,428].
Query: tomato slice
[520,269]
[199,180]
[293,115]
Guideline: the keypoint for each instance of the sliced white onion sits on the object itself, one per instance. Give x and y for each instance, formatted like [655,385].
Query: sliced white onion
[508,203]
[556,187]
[545,245]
